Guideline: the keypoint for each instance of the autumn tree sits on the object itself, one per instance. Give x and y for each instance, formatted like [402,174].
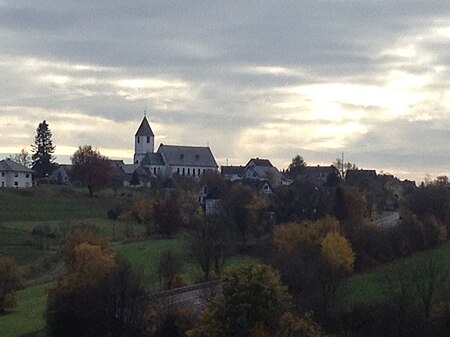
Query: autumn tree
[337,251]
[249,299]
[91,169]
[99,296]
[43,150]
[10,282]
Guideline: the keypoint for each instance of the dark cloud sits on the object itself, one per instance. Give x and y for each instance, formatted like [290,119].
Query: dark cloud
[238,71]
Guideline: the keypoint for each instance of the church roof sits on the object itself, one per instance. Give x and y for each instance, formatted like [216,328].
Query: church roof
[152,159]
[176,155]
[144,129]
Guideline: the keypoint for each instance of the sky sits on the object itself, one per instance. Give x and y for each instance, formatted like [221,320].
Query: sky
[267,79]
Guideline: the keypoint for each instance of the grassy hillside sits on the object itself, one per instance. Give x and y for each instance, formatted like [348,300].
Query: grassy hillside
[370,288]
[28,316]
[144,257]
[45,203]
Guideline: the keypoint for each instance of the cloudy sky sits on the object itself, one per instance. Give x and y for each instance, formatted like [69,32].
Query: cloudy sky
[250,78]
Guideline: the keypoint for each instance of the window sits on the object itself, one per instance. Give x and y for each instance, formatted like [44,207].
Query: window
[3,174]
[193,172]
[178,170]
[139,139]
[148,139]
[16,175]
[3,184]
[16,184]
[204,170]
[198,171]
[189,171]
[183,170]
[154,171]
[27,176]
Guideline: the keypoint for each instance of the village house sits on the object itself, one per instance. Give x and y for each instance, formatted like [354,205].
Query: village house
[319,175]
[256,170]
[15,175]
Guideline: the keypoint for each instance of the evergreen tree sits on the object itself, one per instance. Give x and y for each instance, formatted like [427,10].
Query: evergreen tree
[43,150]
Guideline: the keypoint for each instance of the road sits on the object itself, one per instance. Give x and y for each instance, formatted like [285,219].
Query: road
[390,219]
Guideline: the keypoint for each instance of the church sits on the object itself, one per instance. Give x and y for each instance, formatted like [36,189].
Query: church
[192,161]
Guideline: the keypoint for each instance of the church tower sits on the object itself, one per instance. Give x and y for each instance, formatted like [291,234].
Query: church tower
[144,141]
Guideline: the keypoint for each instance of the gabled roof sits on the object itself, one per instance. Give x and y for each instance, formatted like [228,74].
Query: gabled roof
[144,129]
[259,162]
[152,159]
[214,194]
[175,155]
[8,165]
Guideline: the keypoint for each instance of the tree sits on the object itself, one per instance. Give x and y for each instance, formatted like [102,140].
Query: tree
[99,296]
[23,158]
[91,169]
[169,267]
[209,244]
[9,283]
[337,251]
[343,167]
[248,299]
[297,166]
[43,149]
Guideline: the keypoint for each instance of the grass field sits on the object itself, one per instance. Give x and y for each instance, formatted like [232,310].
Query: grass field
[50,202]
[28,316]
[369,287]
[144,257]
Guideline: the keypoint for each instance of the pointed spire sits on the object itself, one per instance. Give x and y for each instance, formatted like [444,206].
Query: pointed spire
[144,128]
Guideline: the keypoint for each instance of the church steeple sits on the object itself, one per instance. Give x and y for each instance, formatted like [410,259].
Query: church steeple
[144,141]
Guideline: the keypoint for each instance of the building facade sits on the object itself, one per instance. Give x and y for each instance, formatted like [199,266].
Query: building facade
[15,175]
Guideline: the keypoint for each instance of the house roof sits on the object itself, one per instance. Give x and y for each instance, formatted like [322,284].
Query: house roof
[319,169]
[214,194]
[130,168]
[116,162]
[259,162]
[144,129]
[152,159]
[176,155]
[230,170]
[8,165]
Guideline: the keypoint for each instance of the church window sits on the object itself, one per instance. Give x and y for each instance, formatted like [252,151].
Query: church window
[193,172]
[148,139]
[189,171]
[204,170]
[198,171]
[183,170]
[178,170]
[154,170]
[139,139]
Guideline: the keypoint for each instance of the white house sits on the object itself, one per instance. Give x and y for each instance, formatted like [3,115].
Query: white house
[13,174]
[192,161]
